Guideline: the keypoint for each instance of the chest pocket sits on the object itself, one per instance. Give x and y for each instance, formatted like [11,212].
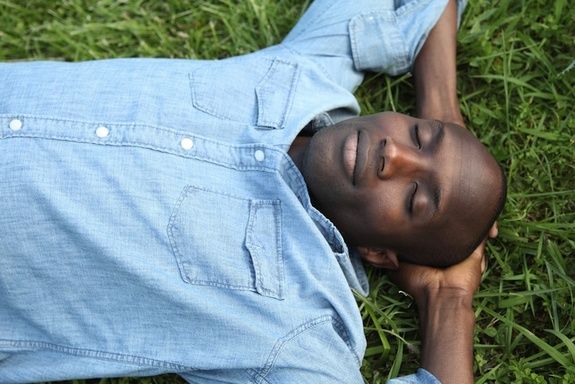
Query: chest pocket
[247,89]
[228,242]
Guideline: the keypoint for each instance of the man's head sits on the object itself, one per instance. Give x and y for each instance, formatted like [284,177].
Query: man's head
[399,187]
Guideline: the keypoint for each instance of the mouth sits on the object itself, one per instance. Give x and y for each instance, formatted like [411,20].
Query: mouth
[350,147]
[361,158]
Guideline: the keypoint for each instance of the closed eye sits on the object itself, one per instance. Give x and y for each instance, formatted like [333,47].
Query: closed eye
[412,198]
[416,136]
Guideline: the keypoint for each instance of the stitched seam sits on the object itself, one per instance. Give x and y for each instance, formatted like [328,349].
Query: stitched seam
[261,90]
[180,257]
[227,194]
[103,355]
[88,122]
[279,249]
[260,87]
[116,142]
[256,248]
[283,341]
[354,44]
[292,92]
[249,242]
[340,328]
[202,106]
[171,235]
[399,62]
[258,378]
[222,283]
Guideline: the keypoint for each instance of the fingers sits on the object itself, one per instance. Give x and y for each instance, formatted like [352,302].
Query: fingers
[466,274]
[475,262]
[494,231]
[478,253]
[481,251]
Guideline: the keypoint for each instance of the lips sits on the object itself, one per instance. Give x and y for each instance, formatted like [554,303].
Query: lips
[350,146]
[363,145]
[355,148]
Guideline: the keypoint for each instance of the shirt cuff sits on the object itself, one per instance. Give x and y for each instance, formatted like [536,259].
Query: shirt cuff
[420,377]
[389,40]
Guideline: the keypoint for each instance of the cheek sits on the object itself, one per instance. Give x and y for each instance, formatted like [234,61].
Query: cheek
[320,159]
[384,212]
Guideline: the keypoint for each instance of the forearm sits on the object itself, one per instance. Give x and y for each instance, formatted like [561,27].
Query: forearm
[447,322]
[435,71]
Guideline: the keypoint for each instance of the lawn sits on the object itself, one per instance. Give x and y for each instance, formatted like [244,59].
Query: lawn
[517,88]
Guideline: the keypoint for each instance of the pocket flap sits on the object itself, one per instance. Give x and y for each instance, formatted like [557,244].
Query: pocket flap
[274,94]
[249,89]
[263,243]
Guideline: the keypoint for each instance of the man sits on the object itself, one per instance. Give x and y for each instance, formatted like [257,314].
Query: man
[189,217]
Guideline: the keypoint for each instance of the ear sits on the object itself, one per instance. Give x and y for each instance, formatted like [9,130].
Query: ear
[379,257]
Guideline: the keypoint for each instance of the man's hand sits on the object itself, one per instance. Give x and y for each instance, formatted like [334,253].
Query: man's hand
[460,279]
[444,300]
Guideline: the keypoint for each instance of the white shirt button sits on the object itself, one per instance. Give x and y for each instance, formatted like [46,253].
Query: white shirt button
[15,124]
[187,143]
[102,132]
[259,155]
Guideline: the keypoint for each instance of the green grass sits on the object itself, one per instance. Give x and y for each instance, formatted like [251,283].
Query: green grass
[517,88]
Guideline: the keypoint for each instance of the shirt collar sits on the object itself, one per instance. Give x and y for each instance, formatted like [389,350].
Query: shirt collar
[348,259]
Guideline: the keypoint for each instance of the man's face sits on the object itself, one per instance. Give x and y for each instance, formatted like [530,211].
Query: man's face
[394,181]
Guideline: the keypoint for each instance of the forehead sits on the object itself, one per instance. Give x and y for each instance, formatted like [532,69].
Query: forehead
[467,177]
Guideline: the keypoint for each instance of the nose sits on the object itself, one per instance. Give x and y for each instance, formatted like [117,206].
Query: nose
[398,159]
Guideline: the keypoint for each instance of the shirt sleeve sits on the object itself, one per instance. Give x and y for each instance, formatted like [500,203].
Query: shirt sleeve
[348,37]
[420,377]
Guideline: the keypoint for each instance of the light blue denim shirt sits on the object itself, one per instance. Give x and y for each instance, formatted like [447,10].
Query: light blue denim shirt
[153,222]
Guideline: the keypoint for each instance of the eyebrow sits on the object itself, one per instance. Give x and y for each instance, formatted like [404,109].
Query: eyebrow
[438,137]
[435,190]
